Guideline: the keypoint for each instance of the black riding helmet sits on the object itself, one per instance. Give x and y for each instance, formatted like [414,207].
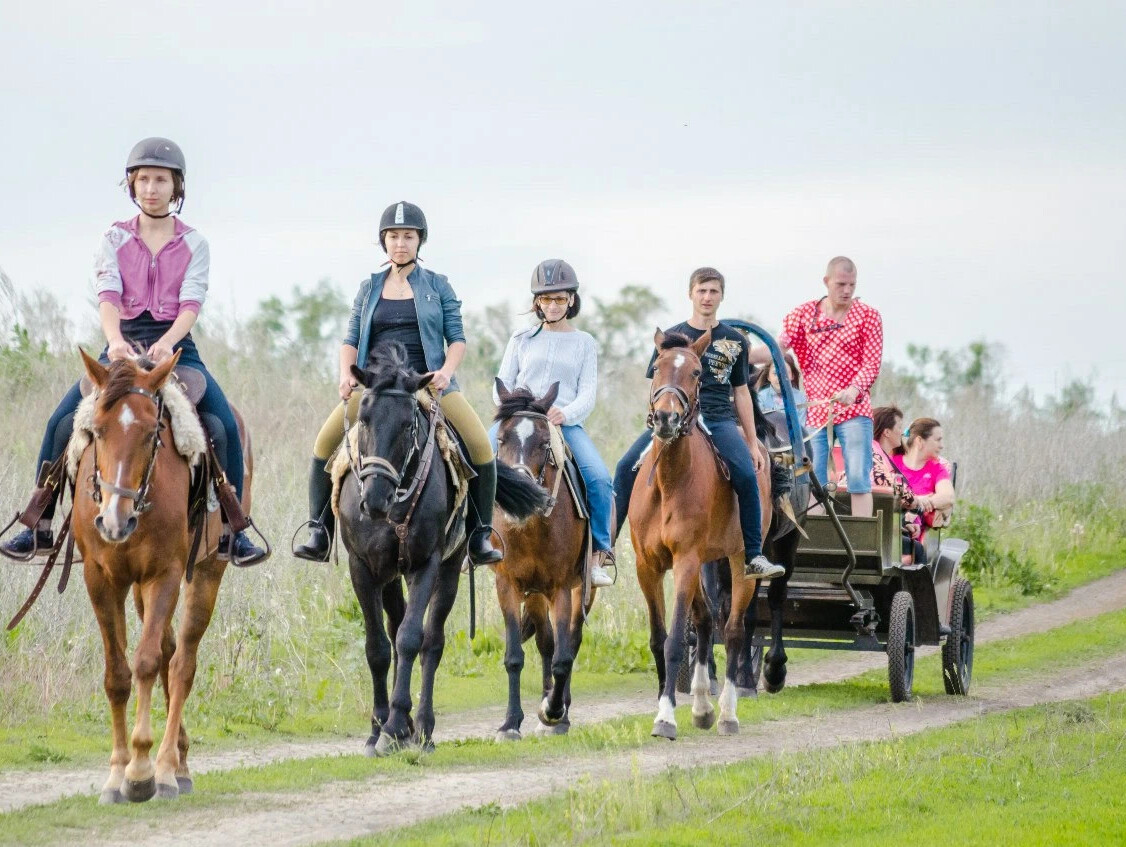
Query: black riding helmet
[402,215]
[158,152]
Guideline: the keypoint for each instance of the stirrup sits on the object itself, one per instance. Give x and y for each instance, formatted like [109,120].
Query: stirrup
[36,550]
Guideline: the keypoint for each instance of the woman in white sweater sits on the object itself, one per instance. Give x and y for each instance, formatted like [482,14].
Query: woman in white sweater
[554,351]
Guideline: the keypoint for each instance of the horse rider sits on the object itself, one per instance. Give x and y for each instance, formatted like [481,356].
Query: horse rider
[415,306]
[151,279]
[725,404]
[554,351]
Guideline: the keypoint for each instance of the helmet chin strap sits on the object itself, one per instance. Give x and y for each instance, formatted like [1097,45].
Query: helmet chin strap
[167,214]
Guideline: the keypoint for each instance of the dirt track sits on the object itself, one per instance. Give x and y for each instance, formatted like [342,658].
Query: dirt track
[19,789]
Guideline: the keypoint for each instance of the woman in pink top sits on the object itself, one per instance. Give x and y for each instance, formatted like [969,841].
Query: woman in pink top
[918,459]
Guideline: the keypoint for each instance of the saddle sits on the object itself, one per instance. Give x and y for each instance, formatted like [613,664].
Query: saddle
[191,381]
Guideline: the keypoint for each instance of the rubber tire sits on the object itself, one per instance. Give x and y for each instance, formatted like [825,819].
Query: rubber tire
[958,651]
[901,646]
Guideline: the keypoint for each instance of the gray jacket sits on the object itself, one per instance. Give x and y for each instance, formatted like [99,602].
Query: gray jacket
[439,316]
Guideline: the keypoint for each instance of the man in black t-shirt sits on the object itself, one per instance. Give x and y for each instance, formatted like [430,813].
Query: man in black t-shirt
[725,402]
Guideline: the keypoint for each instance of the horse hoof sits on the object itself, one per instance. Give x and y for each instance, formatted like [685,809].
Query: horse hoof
[561,728]
[422,745]
[139,792]
[729,727]
[664,729]
[508,735]
[706,721]
[384,746]
[110,797]
[774,687]
[547,720]
[743,693]
[167,792]
[184,783]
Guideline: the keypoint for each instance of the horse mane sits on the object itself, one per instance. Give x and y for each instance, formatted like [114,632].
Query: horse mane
[519,400]
[390,363]
[672,340]
[122,377]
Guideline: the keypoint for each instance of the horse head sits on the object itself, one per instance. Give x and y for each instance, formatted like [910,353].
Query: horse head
[675,393]
[126,426]
[390,422]
[524,436]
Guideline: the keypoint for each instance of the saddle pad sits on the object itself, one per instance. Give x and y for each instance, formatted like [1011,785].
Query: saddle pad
[187,431]
[191,381]
[458,467]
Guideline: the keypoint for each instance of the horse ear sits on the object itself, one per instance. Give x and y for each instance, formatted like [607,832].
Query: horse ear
[156,378]
[363,377]
[701,343]
[502,392]
[424,381]
[548,400]
[658,338]
[97,372]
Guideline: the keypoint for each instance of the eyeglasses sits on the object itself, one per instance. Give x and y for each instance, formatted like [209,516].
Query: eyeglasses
[554,299]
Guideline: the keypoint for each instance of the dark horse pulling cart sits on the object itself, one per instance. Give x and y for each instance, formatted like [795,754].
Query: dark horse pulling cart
[846,589]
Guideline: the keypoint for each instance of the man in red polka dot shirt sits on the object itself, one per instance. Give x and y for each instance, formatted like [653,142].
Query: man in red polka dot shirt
[838,342]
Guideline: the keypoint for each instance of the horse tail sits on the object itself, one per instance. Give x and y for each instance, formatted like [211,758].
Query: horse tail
[518,495]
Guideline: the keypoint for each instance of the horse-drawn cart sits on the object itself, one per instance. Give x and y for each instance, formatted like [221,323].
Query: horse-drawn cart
[848,590]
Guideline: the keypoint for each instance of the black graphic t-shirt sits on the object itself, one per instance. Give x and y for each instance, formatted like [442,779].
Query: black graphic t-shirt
[725,366]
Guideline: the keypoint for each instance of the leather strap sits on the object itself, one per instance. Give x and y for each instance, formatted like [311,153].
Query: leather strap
[47,568]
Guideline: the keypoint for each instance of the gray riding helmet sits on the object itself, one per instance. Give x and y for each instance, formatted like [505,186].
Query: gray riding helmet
[554,275]
[402,215]
[158,152]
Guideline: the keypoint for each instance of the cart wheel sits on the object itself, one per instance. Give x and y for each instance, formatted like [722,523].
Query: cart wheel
[958,651]
[901,646]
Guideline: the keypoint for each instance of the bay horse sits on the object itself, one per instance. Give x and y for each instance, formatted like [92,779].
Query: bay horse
[682,513]
[544,561]
[400,520]
[131,525]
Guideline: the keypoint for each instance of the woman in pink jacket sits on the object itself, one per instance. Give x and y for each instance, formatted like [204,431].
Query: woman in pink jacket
[150,277]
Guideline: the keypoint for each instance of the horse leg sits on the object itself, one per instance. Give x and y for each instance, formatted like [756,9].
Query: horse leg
[537,621]
[408,642]
[774,663]
[158,598]
[377,647]
[703,715]
[553,710]
[686,584]
[577,622]
[109,609]
[509,599]
[199,604]
[742,590]
[433,645]
[652,589]
[395,605]
[183,778]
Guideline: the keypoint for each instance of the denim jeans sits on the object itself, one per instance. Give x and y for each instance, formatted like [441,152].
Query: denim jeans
[855,436]
[599,491]
[730,444]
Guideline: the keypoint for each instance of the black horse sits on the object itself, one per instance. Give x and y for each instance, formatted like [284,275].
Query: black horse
[399,520]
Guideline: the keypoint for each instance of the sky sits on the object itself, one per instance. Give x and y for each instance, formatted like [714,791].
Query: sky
[968,156]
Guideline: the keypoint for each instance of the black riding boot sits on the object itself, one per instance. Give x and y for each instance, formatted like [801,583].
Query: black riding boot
[320,514]
[483,494]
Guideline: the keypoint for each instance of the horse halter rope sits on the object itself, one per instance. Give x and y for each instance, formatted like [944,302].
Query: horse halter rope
[690,405]
[139,495]
[369,466]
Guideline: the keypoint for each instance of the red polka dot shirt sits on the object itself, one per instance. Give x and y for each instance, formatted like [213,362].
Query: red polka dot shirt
[835,355]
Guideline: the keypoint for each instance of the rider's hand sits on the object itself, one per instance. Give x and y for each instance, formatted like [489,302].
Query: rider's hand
[346,386]
[847,396]
[761,462]
[119,349]
[441,380]
[159,351]
[556,416]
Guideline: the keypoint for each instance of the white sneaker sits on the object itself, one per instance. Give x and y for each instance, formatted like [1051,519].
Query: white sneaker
[599,578]
[762,568]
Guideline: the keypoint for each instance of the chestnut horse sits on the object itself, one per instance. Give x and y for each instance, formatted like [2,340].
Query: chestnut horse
[130,523]
[682,513]
[544,562]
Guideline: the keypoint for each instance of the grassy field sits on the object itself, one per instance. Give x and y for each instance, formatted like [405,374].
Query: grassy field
[996,665]
[1043,776]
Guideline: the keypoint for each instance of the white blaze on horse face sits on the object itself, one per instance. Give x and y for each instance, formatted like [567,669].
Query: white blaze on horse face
[111,510]
[524,430]
[678,362]
[127,418]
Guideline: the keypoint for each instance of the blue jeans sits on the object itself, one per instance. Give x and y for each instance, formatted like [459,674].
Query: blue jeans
[599,491]
[730,444]
[855,436]
[145,331]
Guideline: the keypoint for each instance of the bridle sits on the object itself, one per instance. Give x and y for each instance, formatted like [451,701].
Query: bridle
[550,459]
[690,407]
[364,467]
[139,495]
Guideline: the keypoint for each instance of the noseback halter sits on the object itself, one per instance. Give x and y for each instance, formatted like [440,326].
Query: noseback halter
[138,495]
[689,405]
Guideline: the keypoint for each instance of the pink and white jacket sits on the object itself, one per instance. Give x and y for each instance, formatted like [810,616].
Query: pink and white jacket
[130,277]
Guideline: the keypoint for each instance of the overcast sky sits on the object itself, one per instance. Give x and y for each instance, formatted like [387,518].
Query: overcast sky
[967,155]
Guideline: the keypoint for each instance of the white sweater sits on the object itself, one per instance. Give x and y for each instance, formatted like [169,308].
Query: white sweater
[569,358]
